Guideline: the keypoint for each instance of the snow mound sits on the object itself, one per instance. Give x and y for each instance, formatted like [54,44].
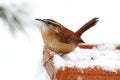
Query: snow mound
[105,56]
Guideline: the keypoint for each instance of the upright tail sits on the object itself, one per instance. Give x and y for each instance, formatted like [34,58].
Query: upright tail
[86,26]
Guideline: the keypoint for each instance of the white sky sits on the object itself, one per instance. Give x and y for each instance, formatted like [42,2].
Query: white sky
[24,62]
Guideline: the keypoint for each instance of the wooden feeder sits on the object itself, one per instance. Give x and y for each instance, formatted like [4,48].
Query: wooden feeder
[76,74]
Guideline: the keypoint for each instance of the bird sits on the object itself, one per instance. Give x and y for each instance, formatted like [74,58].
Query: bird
[58,38]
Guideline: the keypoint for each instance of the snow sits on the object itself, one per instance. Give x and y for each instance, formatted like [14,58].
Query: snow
[105,56]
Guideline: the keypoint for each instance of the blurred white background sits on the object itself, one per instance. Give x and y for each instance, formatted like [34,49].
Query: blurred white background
[21,49]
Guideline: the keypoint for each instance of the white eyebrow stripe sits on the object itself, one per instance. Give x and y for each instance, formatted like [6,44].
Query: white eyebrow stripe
[56,23]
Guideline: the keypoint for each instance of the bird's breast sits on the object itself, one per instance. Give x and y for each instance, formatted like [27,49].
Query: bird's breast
[53,43]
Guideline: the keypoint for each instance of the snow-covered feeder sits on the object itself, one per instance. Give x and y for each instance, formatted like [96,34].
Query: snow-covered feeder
[86,62]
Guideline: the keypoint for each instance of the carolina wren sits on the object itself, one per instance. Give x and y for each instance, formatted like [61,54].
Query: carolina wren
[60,39]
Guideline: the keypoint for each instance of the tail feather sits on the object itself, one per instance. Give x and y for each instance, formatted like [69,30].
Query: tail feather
[87,26]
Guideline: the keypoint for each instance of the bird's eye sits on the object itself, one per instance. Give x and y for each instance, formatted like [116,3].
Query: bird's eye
[48,23]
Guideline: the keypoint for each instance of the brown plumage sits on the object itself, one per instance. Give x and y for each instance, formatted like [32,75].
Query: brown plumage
[86,26]
[58,38]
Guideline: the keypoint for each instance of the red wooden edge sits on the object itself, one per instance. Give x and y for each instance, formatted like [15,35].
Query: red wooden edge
[73,73]
[90,46]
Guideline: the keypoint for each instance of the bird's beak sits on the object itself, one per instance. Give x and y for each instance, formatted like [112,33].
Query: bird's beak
[41,22]
[39,19]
